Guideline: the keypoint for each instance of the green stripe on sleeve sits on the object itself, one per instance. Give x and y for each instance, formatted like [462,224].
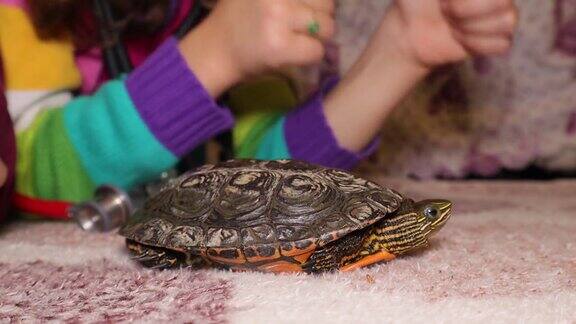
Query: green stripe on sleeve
[259,105]
[25,149]
[59,174]
[250,131]
[48,164]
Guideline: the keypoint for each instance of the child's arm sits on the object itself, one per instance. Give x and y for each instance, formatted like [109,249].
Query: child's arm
[127,133]
[414,37]
[131,130]
[303,133]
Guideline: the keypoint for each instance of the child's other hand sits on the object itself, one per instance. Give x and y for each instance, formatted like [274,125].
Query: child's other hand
[414,37]
[242,38]
[445,31]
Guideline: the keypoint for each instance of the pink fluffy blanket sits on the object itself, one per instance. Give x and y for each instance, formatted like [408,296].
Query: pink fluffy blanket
[507,255]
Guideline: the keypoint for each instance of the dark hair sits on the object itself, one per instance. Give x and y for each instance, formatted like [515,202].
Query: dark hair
[57,19]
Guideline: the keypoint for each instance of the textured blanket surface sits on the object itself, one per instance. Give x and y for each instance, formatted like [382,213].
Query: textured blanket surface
[507,255]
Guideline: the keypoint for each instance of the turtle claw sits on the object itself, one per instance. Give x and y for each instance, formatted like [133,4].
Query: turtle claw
[147,257]
[144,258]
[138,257]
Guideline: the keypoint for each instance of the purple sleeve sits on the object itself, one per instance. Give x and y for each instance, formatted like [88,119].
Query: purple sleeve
[173,103]
[310,138]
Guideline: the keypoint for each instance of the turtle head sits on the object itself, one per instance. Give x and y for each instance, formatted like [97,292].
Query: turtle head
[411,226]
[433,213]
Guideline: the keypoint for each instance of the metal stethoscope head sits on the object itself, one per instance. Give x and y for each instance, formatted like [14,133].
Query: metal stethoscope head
[111,206]
[109,209]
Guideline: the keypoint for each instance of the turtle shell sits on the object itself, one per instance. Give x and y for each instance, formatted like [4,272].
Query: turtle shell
[256,212]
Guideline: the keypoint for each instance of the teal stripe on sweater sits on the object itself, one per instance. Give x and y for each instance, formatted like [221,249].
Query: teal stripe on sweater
[112,140]
[273,145]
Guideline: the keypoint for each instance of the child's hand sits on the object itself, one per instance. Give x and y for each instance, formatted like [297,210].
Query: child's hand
[414,37]
[445,31]
[242,38]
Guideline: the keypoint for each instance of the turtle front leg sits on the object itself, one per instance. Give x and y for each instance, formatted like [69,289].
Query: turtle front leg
[336,254]
[367,260]
[371,252]
[354,251]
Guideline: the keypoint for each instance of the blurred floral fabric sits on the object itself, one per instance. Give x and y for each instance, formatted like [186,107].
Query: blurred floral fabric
[486,115]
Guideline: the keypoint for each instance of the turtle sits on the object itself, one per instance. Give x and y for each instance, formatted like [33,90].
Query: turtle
[278,216]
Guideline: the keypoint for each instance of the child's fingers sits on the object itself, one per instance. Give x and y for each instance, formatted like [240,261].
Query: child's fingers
[465,9]
[481,45]
[305,50]
[498,24]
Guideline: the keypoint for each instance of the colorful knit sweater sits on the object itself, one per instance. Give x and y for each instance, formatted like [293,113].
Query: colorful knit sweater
[130,130]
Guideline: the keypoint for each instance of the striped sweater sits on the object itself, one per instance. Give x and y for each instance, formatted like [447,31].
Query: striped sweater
[130,130]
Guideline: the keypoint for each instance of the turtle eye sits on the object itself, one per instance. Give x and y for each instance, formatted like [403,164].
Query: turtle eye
[431,212]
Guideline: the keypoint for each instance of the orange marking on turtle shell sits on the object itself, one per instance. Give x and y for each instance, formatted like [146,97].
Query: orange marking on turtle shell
[368,260]
[253,255]
[294,251]
[258,259]
[215,255]
[280,267]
